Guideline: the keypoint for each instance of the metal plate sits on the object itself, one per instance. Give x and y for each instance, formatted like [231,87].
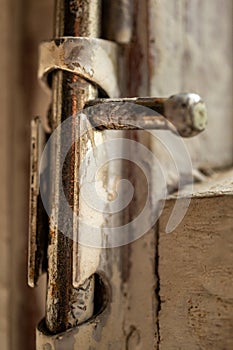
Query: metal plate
[38,223]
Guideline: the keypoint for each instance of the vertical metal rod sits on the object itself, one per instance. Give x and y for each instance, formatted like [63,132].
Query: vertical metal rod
[64,309]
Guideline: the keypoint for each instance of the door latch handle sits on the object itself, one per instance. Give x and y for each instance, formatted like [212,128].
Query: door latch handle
[184,114]
[85,64]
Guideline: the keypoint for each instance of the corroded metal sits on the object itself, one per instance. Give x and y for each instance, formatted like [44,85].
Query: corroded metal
[184,114]
[67,306]
[116,323]
[187,112]
[38,222]
[90,58]
[77,18]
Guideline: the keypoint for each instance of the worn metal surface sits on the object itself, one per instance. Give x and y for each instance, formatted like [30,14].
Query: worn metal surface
[90,58]
[121,268]
[118,20]
[184,114]
[117,323]
[68,306]
[38,221]
[209,71]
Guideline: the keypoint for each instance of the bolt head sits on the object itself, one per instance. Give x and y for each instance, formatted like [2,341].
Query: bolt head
[187,112]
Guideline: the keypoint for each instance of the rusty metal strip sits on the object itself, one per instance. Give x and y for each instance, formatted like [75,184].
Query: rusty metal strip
[117,324]
[37,216]
[68,306]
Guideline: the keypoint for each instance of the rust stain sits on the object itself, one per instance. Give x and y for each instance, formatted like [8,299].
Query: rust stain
[137,76]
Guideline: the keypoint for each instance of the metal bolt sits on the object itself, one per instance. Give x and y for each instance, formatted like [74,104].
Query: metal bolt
[183,113]
[187,112]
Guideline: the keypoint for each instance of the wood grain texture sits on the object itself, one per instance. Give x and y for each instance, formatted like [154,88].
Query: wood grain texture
[195,269]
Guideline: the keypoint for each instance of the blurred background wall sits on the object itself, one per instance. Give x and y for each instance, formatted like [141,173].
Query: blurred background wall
[190,50]
[23,24]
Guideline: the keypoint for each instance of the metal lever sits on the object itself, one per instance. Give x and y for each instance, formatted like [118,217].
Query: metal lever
[183,113]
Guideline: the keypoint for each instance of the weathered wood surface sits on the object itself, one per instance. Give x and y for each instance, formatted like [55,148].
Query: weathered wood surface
[21,29]
[191,49]
[195,271]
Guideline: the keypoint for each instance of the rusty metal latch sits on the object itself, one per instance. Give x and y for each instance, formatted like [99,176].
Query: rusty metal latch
[183,114]
[75,66]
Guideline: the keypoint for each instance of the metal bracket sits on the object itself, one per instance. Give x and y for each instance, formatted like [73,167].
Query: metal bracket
[92,59]
[38,220]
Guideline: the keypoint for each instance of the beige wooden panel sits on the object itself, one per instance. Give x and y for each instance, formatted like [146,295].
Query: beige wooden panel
[30,22]
[22,26]
[195,269]
[4,173]
[191,50]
